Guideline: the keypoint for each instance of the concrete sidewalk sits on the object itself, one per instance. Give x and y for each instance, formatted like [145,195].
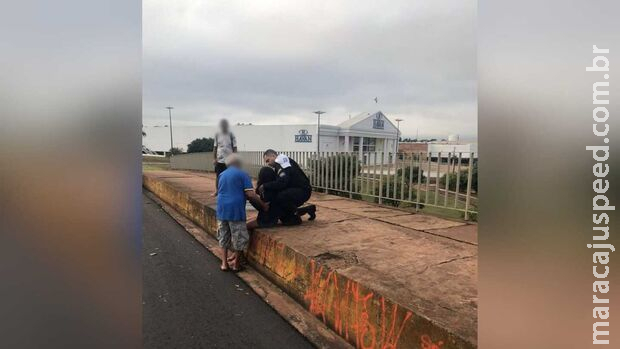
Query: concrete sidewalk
[379,277]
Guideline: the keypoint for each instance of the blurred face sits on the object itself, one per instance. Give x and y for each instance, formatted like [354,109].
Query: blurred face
[224,126]
[234,161]
[270,159]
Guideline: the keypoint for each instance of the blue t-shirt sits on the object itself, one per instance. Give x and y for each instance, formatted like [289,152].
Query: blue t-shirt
[231,188]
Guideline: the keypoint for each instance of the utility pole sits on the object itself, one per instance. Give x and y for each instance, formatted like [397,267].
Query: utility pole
[318,130]
[397,133]
[170,126]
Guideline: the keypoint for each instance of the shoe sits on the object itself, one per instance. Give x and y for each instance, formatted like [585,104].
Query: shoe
[308,209]
[312,212]
[291,220]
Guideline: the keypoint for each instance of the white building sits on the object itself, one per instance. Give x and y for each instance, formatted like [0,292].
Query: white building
[453,148]
[374,132]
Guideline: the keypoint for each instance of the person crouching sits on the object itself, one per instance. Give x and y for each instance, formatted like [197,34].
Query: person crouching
[234,188]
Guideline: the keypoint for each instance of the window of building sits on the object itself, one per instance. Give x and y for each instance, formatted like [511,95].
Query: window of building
[369,144]
[356,144]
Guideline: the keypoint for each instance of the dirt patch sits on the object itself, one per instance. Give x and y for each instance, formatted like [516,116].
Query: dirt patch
[337,259]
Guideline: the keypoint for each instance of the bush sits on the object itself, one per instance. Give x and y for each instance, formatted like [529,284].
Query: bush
[175,151]
[462,180]
[408,171]
[200,145]
[337,179]
[396,187]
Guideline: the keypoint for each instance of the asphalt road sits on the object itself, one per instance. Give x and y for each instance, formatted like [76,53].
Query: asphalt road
[189,303]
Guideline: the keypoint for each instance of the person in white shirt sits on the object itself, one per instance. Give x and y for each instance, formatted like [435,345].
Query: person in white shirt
[225,143]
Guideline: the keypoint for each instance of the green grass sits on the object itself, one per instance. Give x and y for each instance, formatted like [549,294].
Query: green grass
[159,165]
[149,159]
[445,212]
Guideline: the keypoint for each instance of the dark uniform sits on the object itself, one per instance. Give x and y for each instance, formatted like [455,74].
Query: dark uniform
[290,190]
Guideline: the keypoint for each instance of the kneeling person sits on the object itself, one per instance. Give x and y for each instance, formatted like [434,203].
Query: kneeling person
[234,188]
[265,219]
[290,190]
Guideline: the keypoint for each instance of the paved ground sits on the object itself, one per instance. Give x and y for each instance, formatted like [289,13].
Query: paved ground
[190,303]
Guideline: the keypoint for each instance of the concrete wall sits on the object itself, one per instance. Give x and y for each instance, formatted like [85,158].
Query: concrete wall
[445,148]
[412,147]
[204,162]
[192,161]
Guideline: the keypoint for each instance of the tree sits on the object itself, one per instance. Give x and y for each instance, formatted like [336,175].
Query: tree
[200,145]
[176,151]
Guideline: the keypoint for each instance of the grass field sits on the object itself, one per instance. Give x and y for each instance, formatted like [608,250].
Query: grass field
[441,209]
[153,163]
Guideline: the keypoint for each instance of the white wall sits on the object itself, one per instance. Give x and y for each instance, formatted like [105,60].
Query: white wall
[328,143]
[278,137]
[249,137]
[254,137]
[445,148]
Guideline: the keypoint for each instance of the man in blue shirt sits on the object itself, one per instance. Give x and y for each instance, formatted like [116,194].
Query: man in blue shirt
[234,188]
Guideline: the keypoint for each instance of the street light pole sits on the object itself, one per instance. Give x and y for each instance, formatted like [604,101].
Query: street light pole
[397,133]
[318,130]
[170,126]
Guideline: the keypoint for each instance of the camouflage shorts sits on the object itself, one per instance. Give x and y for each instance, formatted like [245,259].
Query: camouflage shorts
[233,235]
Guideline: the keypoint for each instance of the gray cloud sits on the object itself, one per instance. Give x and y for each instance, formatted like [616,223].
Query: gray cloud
[277,61]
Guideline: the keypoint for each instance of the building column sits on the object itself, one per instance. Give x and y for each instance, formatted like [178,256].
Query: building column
[386,151]
[346,143]
[361,149]
[395,149]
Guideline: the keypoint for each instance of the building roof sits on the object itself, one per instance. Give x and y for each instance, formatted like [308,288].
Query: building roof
[354,120]
[361,117]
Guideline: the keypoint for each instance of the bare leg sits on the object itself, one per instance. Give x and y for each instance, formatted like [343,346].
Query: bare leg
[224,266]
[236,265]
[251,225]
[215,192]
[217,175]
[235,260]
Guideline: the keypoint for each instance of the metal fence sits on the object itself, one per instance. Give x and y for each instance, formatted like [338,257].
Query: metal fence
[443,181]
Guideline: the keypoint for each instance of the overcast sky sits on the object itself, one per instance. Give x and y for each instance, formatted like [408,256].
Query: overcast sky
[274,62]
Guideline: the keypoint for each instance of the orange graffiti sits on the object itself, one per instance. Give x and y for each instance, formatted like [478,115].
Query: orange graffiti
[351,311]
[427,343]
[391,339]
[357,314]
[317,291]
[272,254]
[362,326]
